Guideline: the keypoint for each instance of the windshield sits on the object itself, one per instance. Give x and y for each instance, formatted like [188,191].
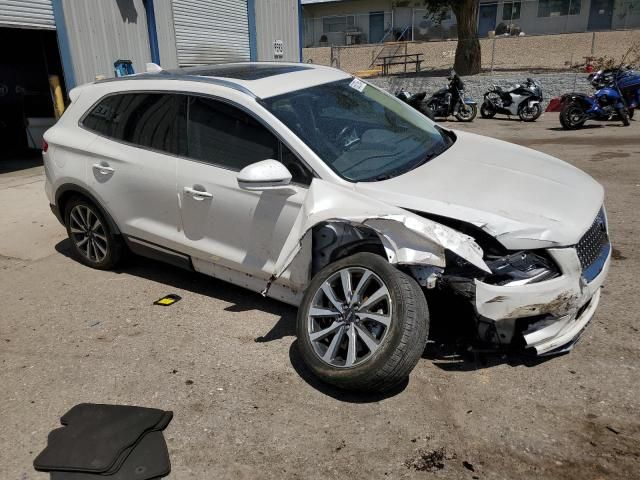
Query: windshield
[362,133]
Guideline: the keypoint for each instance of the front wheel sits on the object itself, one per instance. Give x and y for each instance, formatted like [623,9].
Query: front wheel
[426,111]
[465,112]
[572,116]
[362,324]
[529,112]
[487,110]
[623,113]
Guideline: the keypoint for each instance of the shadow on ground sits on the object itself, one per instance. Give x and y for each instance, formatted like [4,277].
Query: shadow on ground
[22,162]
[450,347]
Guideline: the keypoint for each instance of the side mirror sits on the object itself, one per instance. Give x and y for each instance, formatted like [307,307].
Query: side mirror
[264,175]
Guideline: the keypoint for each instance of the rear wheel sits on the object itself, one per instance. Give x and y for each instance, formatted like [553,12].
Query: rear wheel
[465,112]
[487,110]
[362,324]
[529,112]
[93,242]
[572,116]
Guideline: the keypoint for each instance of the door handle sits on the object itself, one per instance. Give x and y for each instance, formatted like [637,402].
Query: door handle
[103,169]
[197,193]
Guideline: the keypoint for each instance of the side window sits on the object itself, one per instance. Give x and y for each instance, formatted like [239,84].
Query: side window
[224,135]
[146,119]
[299,172]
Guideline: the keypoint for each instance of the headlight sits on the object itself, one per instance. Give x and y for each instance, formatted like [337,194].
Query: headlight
[521,268]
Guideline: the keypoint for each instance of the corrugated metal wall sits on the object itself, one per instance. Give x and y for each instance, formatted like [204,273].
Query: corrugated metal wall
[26,14]
[277,20]
[103,31]
[211,32]
[166,33]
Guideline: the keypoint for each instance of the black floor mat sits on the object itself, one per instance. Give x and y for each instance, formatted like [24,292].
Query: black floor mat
[148,460]
[97,438]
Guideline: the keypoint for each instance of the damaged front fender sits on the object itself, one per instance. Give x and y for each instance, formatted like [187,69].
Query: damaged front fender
[407,238]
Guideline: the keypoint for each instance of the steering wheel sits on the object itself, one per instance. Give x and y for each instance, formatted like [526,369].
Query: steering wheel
[343,137]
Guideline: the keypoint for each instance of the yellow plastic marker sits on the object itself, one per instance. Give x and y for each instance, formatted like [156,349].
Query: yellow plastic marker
[167,300]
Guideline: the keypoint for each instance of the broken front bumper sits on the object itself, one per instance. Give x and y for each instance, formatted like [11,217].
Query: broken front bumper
[550,315]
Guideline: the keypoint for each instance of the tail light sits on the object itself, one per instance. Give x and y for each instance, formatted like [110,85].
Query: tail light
[45,146]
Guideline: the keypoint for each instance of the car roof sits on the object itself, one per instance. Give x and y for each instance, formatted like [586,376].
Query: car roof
[258,79]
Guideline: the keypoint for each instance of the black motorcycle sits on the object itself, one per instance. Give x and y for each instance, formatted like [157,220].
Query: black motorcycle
[451,100]
[416,100]
[521,99]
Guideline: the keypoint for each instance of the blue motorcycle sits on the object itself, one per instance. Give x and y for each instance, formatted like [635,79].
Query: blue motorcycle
[617,95]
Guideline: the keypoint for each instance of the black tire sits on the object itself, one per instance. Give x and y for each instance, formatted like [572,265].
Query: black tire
[466,117]
[623,113]
[631,110]
[487,110]
[398,350]
[426,111]
[529,114]
[572,116]
[103,238]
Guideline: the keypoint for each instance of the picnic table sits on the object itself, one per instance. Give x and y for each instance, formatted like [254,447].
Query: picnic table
[405,59]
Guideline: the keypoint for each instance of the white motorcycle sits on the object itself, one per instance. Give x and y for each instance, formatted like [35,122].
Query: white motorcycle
[521,99]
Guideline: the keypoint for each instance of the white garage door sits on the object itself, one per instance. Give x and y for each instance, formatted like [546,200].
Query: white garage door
[27,14]
[211,32]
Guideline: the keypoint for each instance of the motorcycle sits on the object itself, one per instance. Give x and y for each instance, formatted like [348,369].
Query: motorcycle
[451,100]
[416,101]
[521,99]
[617,96]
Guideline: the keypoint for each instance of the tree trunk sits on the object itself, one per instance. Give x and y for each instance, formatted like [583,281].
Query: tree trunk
[468,54]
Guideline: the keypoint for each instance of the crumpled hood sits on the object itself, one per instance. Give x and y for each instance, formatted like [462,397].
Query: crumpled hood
[524,198]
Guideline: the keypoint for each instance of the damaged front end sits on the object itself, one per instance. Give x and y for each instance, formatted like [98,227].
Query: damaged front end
[539,299]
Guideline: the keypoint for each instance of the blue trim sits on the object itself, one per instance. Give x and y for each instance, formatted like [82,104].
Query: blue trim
[300,28]
[591,272]
[152,31]
[253,33]
[63,45]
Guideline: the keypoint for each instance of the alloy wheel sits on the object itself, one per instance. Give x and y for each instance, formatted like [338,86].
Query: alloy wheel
[88,233]
[349,317]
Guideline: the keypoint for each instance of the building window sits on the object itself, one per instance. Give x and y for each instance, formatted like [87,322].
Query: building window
[338,24]
[511,11]
[557,8]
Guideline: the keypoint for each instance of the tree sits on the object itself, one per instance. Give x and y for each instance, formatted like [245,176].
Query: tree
[468,54]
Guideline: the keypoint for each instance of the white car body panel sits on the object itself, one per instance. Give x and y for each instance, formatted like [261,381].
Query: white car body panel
[260,239]
[550,203]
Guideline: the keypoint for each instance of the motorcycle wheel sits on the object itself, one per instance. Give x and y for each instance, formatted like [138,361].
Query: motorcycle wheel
[529,113]
[623,113]
[487,110]
[465,113]
[631,113]
[426,111]
[572,116]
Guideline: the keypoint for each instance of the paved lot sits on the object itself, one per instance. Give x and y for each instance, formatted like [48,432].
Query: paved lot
[224,360]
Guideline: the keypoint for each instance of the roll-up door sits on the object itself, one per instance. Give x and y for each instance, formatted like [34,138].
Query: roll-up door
[27,14]
[211,32]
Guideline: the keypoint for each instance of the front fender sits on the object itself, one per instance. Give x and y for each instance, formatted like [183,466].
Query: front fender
[408,239]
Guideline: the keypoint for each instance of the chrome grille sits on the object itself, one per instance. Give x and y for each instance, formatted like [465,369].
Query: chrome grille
[591,244]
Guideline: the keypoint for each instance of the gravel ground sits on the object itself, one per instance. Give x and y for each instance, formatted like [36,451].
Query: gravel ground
[225,361]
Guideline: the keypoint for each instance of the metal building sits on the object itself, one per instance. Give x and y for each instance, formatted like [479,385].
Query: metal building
[78,40]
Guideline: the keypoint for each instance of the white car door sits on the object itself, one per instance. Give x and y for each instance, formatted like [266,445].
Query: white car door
[132,165]
[225,227]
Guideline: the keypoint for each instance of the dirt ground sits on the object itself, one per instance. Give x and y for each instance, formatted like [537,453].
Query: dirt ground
[225,361]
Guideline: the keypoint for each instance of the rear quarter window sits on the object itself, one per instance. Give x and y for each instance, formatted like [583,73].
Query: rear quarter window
[150,120]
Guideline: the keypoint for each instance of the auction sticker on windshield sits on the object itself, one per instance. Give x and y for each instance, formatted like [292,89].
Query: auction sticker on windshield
[357,84]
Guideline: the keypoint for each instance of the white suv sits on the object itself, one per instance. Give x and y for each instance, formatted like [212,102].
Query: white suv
[318,189]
